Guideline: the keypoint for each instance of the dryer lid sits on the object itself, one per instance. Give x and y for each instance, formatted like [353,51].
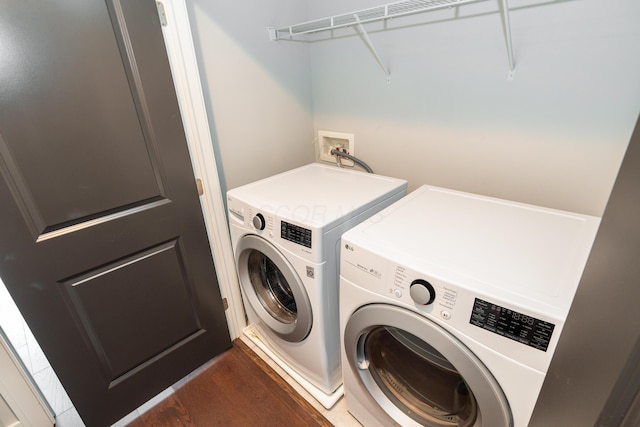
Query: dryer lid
[494,246]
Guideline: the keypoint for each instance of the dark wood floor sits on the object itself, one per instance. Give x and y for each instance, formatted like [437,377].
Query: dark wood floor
[237,389]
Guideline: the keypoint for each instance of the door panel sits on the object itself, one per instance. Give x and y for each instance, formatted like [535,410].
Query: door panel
[102,241]
[59,83]
[106,320]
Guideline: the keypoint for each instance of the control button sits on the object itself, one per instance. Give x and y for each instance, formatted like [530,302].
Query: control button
[422,292]
[445,314]
[397,293]
[258,222]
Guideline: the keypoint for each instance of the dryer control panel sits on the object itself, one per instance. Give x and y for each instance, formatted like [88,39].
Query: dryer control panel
[428,293]
[511,324]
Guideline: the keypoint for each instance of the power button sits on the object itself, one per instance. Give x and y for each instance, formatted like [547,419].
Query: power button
[445,314]
[397,293]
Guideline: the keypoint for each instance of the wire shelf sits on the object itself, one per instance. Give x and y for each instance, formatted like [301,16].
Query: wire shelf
[377,13]
[380,13]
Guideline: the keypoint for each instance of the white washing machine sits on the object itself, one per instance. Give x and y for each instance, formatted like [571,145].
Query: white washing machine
[285,233]
[451,306]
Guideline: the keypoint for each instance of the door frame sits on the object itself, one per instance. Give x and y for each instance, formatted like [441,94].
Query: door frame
[184,67]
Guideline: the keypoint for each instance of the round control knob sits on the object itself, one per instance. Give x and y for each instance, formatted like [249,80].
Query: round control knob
[258,222]
[422,292]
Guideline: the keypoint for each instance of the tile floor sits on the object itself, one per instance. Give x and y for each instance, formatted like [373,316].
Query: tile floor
[34,360]
[37,365]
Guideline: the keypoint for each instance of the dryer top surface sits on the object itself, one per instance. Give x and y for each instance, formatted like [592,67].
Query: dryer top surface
[318,194]
[493,245]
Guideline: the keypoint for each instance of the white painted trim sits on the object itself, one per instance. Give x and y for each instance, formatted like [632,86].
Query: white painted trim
[18,392]
[184,66]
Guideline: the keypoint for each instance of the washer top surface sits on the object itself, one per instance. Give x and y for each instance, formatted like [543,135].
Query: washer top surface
[317,194]
[491,245]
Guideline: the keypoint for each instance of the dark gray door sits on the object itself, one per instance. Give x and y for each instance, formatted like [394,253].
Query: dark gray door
[102,240]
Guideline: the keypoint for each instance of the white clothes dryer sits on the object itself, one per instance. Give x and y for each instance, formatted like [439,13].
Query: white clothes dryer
[451,305]
[285,233]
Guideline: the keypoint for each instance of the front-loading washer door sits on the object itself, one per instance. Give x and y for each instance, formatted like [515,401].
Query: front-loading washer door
[418,374]
[273,288]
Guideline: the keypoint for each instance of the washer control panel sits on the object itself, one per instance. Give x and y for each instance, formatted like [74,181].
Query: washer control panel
[259,222]
[296,234]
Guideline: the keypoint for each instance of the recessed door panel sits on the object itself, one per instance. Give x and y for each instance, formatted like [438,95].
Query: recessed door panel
[134,309]
[60,101]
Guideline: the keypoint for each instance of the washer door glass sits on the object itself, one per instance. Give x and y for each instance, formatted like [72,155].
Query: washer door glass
[418,379]
[415,373]
[273,289]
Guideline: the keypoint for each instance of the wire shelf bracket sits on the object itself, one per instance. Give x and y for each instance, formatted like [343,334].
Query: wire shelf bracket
[367,41]
[380,13]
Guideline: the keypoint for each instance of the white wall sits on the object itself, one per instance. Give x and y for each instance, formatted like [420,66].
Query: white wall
[258,92]
[554,136]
